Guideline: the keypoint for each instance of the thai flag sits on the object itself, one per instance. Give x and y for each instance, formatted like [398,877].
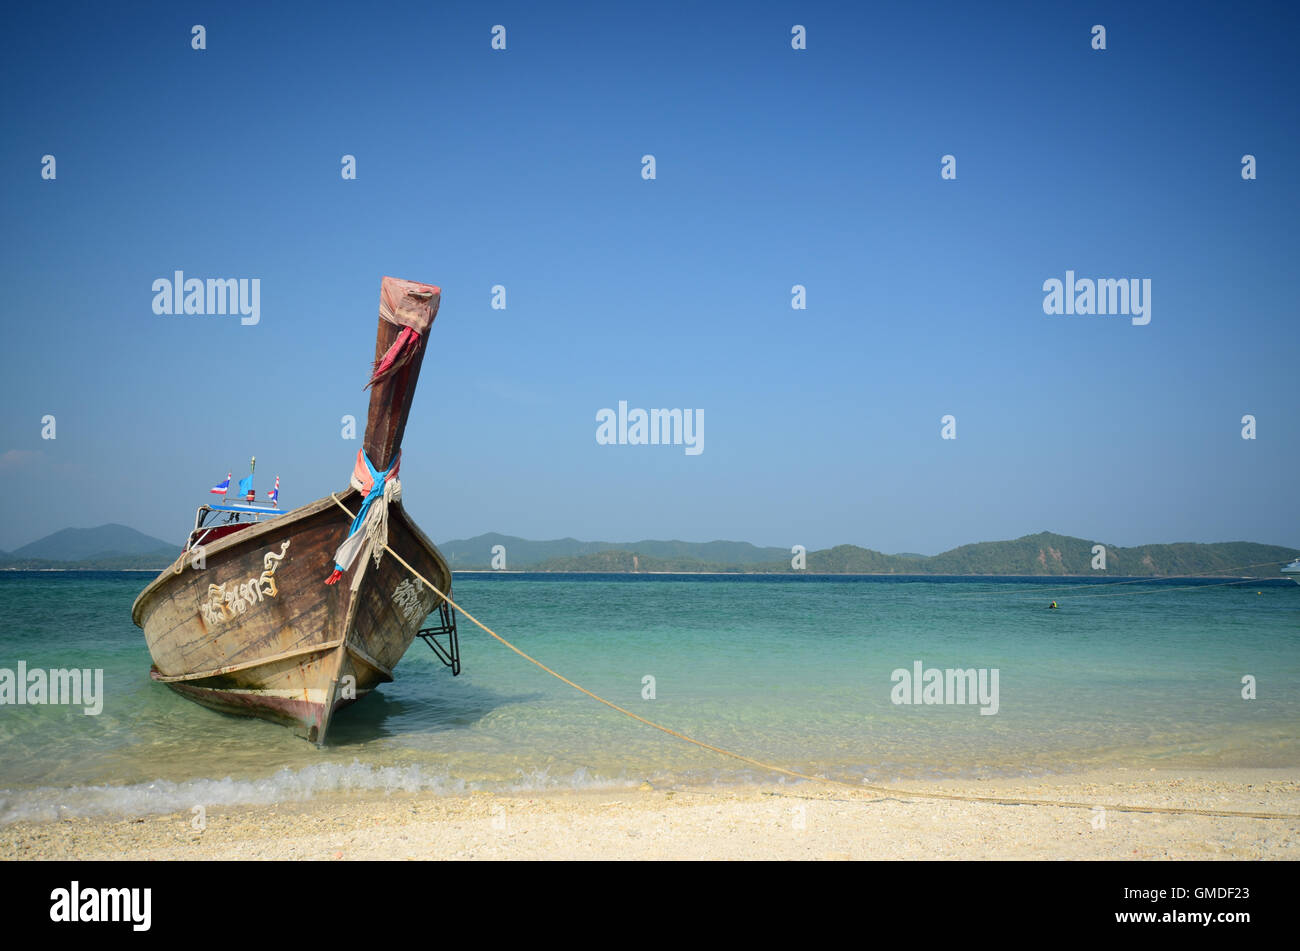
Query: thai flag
[223,488]
[274,494]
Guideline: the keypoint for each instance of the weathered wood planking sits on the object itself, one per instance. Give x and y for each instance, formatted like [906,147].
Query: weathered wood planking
[282,656]
[256,631]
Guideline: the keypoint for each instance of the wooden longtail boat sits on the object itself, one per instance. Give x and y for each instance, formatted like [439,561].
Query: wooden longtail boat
[250,619]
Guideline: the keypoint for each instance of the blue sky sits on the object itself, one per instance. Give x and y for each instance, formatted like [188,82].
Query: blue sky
[775,167]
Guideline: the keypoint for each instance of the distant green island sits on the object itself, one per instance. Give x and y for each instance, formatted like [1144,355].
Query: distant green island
[106,548]
[1045,553]
[117,547]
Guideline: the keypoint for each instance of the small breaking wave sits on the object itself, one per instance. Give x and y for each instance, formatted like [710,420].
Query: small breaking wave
[161,797]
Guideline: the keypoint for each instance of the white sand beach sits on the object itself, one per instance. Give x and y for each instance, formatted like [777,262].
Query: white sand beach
[790,822]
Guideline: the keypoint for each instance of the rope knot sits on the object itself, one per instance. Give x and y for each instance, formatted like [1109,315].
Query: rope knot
[370,526]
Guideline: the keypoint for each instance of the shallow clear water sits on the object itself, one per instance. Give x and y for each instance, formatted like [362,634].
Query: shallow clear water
[794,672]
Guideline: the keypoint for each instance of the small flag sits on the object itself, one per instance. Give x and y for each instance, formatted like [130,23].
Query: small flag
[223,488]
[246,488]
[274,494]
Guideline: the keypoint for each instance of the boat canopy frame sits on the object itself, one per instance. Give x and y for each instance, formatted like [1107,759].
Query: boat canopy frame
[257,511]
[202,527]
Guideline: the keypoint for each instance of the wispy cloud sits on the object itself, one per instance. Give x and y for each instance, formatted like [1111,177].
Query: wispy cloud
[16,459]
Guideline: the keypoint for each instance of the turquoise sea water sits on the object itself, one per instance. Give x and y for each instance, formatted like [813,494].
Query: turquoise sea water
[795,672]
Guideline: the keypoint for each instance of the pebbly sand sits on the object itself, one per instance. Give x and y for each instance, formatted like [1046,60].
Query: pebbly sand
[801,821]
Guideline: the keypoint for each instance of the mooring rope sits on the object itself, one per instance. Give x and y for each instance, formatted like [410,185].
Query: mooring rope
[861,787]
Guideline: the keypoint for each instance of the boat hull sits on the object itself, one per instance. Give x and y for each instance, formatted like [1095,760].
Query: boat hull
[248,626]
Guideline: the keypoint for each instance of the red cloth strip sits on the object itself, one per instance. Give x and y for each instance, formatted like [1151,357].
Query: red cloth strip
[403,348]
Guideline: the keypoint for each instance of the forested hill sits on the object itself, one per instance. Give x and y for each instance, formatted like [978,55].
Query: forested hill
[1043,554]
[115,546]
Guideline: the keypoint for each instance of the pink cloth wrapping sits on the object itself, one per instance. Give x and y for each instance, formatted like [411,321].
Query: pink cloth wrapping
[411,306]
[363,481]
[409,303]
